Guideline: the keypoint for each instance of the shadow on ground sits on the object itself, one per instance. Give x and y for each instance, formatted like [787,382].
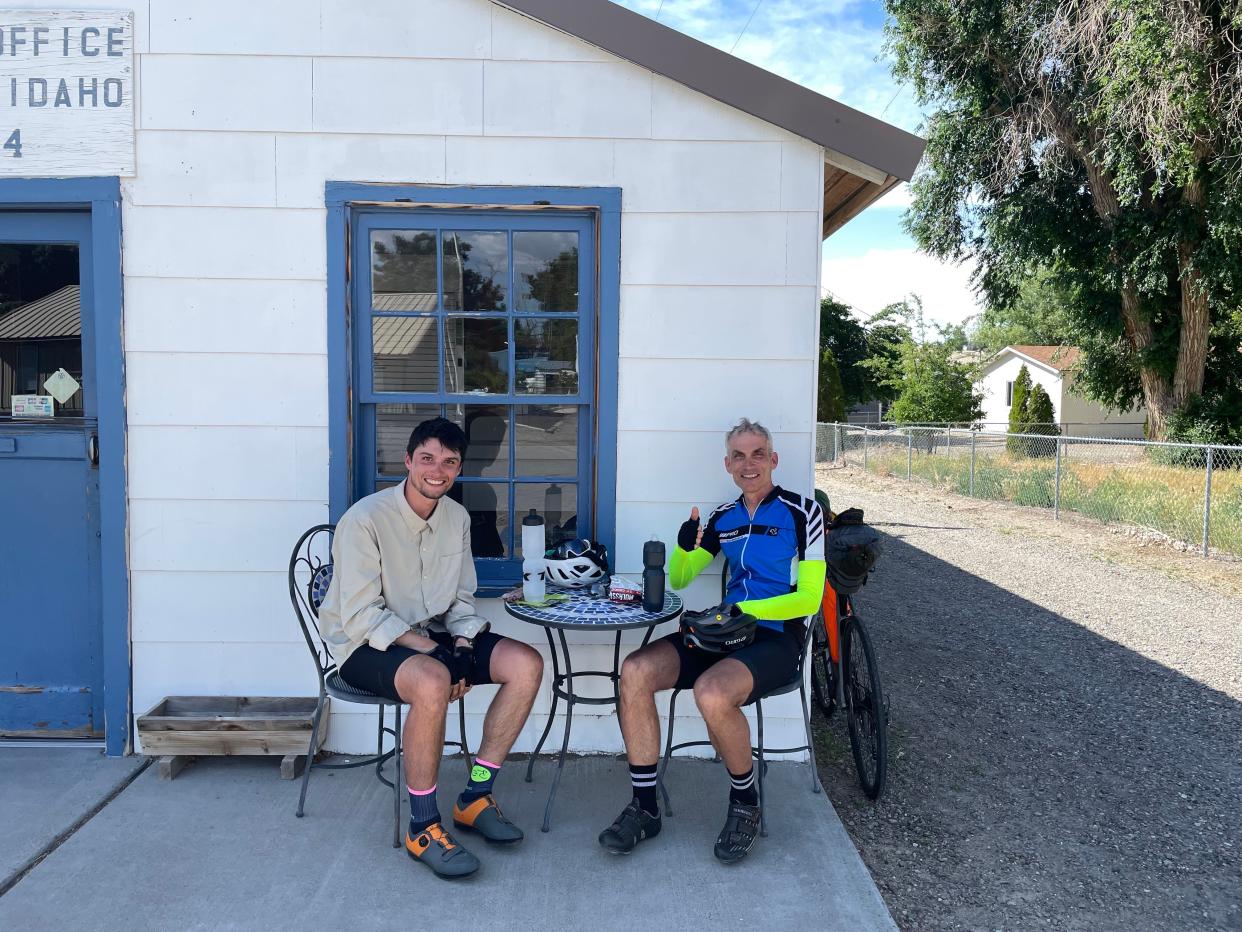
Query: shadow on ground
[1040,775]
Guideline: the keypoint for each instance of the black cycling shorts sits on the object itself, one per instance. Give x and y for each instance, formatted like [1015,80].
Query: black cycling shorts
[772,658]
[376,670]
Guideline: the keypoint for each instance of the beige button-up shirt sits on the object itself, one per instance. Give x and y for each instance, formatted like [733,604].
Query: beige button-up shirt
[394,572]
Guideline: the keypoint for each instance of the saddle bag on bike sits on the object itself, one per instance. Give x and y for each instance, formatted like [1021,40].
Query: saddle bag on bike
[853,548]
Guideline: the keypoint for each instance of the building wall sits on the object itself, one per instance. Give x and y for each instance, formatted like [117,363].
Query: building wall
[244,111]
[992,384]
[1086,418]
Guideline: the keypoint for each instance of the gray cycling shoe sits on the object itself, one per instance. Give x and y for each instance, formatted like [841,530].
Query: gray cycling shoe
[484,816]
[434,847]
[738,836]
[632,826]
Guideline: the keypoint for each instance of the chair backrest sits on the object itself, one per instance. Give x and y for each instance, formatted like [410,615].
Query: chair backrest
[310,574]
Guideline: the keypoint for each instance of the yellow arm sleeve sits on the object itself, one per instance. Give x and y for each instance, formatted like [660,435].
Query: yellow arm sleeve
[803,601]
[683,566]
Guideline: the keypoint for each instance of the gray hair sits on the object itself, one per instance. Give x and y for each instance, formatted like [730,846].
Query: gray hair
[747,426]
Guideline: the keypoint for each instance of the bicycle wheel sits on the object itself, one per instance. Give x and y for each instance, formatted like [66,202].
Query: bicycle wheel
[865,710]
[823,671]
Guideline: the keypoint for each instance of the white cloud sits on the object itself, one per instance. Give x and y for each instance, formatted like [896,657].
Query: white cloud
[881,277]
[898,196]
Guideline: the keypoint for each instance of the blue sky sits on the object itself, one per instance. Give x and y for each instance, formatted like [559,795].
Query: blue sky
[836,47]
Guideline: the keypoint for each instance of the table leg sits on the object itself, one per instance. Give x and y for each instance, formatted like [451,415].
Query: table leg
[616,675]
[556,676]
[569,720]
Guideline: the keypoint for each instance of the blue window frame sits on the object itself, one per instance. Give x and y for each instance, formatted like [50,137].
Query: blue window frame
[500,319]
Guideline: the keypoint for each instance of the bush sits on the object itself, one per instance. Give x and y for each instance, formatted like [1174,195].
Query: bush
[1040,421]
[1018,412]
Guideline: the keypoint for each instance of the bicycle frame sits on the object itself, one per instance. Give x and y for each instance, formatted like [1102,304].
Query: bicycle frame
[833,608]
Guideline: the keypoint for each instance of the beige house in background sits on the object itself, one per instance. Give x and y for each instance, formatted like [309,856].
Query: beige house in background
[1055,368]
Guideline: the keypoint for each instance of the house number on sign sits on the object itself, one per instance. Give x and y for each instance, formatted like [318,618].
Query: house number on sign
[14,143]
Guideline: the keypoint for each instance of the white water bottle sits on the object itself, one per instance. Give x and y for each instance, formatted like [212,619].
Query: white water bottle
[534,575]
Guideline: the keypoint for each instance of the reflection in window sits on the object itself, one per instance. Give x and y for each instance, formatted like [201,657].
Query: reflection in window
[476,355]
[393,426]
[547,440]
[403,270]
[556,502]
[488,504]
[546,356]
[545,271]
[487,439]
[40,321]
[476,270]
[405,354]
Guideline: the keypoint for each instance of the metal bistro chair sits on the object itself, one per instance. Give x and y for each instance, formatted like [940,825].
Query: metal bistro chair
[310,573]
[757,752]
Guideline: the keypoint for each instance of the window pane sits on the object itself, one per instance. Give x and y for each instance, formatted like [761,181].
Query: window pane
[546,356]
[40,322]
[487,439]
[556,502]
[547,440]
[545,271]
[476,355]
[476,270]
[403,270]
[405,354]
[393,425]
[488,504]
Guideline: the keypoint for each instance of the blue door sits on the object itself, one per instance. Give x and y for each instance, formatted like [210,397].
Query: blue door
[51,670]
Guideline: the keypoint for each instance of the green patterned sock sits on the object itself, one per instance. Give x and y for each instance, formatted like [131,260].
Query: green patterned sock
[482,776]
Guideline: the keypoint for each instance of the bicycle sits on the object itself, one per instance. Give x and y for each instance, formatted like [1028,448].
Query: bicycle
[845,672]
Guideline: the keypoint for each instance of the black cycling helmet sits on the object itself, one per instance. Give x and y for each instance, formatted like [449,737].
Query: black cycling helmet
[576,563]
[721,630]
[853,548]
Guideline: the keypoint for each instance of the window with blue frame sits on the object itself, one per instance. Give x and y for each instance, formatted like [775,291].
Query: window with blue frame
[487,317]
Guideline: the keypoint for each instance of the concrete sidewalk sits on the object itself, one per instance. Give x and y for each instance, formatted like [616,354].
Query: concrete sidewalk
[45,791]
[220,848]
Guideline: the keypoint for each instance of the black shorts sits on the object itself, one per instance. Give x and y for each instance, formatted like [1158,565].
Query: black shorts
[772,658]
[376,670]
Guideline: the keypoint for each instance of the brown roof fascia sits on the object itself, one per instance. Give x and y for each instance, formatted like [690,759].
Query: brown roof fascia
[731,81]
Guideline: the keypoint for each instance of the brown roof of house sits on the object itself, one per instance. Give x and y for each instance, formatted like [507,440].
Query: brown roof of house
[865,157]
[1060,358]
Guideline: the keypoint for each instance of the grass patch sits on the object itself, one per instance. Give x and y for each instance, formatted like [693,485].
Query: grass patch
[1145,492]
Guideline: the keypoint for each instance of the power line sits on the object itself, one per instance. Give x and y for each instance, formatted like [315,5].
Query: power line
[900,88]
[658,9]
[747,26]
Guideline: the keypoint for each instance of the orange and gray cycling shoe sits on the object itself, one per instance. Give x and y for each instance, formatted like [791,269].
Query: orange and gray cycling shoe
[434,847]
[484,816]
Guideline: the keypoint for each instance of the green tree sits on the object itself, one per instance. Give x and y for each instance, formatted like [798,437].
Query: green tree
[928,387]
[1040,417]
[1019,411]
[1038,315]
[830,405]
[1097,139]
[843,334]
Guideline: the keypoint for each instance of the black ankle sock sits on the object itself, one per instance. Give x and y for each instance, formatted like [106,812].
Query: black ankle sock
[643,779]
[423,809]
[743,788]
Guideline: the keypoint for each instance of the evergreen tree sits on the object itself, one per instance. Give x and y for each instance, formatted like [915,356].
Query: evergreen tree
[1041,417]
[1019,412]
[830,407]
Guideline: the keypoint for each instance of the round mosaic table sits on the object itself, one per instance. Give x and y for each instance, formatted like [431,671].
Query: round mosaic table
[584,613]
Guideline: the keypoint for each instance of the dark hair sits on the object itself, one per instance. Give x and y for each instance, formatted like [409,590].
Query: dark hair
[451,436]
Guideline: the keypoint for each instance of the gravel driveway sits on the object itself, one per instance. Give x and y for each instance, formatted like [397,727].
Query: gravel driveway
[1066,725]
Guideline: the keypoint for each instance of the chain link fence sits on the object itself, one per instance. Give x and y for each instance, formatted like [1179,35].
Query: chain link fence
[1187,492]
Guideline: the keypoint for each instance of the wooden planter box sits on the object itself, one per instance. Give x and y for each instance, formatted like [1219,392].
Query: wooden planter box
[184,727]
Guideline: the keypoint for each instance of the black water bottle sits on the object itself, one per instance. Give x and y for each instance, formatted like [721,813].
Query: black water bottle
[653,576]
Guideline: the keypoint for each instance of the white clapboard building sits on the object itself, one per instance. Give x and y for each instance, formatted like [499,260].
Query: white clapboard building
[297,228]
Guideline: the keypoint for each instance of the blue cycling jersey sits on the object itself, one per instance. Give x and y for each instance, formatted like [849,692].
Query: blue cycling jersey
[762,550]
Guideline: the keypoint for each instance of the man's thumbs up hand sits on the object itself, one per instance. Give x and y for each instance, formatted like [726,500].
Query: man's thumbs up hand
[690,533]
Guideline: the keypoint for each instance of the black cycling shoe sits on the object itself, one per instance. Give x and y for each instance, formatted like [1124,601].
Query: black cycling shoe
[632,826]
[738,836]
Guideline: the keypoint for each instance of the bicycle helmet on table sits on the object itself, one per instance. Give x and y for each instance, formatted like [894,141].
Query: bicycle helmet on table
[576,563]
